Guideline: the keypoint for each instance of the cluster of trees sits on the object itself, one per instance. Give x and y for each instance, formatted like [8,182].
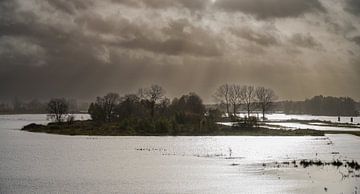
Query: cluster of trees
[150,111]
[321,105]
[233,96]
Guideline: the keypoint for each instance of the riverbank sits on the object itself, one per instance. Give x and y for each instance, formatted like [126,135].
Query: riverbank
[91,128]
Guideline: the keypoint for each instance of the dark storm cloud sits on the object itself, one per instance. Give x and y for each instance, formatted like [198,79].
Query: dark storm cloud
[177,38]
[356,39]
[264,9]
[160,4]
[195,41]
[353,6]
[86,48]
[70,6]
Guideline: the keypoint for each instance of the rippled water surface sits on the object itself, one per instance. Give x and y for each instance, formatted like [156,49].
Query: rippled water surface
[42,163]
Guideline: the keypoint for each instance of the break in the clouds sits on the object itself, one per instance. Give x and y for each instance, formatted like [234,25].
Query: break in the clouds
[84,48]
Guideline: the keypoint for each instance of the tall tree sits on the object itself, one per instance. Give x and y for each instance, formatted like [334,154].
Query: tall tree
[222,94]
[235,97]
[154,94]
[248,96]
[265,98]
[110,101]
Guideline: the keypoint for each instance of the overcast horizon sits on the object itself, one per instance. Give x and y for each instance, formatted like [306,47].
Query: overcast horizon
[86,48]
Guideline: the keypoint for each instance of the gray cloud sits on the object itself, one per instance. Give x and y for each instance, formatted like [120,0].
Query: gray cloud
[353,6]
[183,39]
[177,38]
[70,7]
[356,39]
[265,37]
[304,40]
[264,9]
[160,4]
[81,49]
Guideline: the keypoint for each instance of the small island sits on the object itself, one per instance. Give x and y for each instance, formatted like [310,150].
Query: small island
[150,113]
[90,128]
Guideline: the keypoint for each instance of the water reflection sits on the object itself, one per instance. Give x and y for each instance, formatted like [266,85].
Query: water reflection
[40,163]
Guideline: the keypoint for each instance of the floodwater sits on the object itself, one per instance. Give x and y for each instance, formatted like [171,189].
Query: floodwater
[314,126]
[334,119]
[44,163]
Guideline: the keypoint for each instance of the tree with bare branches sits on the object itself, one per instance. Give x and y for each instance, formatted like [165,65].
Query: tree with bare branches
[265,98]
[248,96]
[235,97]
[222,95]
[154,94]
[58,109]
[110,101]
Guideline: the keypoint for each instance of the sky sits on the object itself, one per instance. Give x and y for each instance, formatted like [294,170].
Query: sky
[86,48]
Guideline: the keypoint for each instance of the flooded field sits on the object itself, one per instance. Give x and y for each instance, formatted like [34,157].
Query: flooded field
[283,121]
[334,119]
[41,163]
[315,126]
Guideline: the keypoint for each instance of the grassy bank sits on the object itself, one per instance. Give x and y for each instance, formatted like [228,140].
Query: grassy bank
[91,128]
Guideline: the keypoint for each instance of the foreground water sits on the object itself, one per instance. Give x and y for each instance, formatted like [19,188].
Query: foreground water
[42,163]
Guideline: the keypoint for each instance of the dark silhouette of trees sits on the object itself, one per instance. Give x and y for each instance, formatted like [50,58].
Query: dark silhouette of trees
[109,102]
[103,108]
[235,97]
[58,109]
[265,98]
[150,112]
[320,105]
[19,106]
[189,110]
[154,94]
[222,95]
[130,106]
[189,104]
[248,96]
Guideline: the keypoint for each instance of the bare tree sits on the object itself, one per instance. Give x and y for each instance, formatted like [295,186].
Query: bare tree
[154,94]
[222,94]
[265,98]
[109,102]
[248,96]
[235,97]
[58,109]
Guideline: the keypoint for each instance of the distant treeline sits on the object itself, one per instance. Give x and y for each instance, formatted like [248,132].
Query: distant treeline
[321,105]
[35,106]
[17,106]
